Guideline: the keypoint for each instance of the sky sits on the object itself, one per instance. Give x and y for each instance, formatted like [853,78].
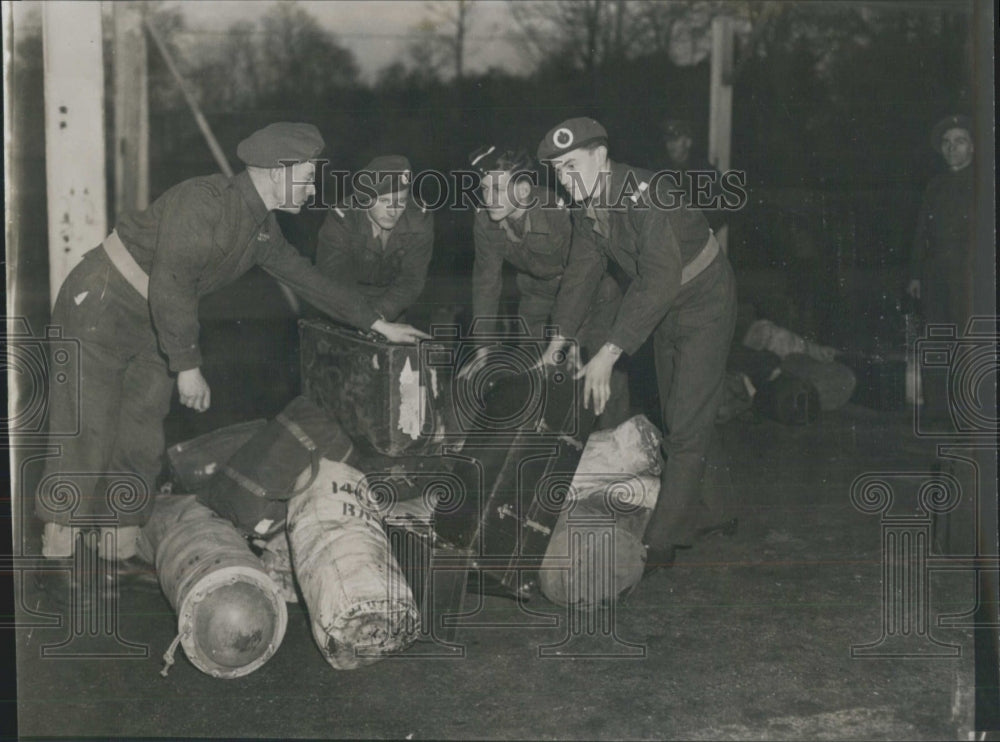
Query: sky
[377,31]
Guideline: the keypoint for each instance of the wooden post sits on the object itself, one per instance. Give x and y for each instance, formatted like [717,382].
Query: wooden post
[720,117]
[74,134]
[131,110]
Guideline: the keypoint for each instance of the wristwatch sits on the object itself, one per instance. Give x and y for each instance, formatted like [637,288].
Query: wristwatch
[613,349]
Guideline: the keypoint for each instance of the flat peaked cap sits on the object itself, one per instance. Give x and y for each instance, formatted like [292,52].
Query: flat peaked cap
[569,135]
[955,121]
[280,143]
[674,128]
[499,157]
[385,174]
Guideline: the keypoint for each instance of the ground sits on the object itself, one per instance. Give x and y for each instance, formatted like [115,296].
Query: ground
[748,637]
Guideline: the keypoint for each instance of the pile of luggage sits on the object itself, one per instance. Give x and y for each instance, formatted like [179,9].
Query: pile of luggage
[387,467]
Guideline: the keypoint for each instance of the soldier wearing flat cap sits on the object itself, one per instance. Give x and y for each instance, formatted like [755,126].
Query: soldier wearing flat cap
[943,246]
[681,291]
[528,227]
[700,181]
[382,241]
[132,303]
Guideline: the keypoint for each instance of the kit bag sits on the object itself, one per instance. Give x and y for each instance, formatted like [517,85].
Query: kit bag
[252,487]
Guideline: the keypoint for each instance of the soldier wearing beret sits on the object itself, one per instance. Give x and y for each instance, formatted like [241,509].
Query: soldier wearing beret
[132,303]
[681,291]
[529,228]
[941,264]
[382,242]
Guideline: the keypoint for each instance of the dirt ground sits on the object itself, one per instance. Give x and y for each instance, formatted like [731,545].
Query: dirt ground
[748,637]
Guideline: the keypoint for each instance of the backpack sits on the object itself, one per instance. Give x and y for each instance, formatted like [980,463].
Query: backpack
[252,487]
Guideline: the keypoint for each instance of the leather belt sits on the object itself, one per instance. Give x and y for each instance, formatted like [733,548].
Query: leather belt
[122,259]
[701,261]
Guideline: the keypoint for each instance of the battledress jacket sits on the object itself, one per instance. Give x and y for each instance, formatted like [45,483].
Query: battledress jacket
[203,234]
[651,245]
[393,277]
[943,239]
[540,254]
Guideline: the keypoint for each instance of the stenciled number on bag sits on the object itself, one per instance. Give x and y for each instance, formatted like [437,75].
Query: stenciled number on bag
[358,509]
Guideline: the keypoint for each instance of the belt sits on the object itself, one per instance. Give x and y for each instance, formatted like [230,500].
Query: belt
[701,261]
[122,259]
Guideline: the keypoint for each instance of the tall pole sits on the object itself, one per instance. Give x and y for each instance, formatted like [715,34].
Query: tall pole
[131,110]
[74,134]
[720,117]
[206,131]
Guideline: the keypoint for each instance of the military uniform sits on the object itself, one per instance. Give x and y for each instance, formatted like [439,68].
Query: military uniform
[682,291]
[943,247]
[132,303]
[389,269]
[942,258]
[538,247]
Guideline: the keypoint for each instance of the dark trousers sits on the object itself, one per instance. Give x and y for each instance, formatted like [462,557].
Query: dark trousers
[109,469]
[946,298]
[691,346]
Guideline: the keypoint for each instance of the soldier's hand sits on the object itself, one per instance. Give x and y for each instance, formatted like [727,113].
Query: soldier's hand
[397,332]
[913,288]
[597,380]
[194,390]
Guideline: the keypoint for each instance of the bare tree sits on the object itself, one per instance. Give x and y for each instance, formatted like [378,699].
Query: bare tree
[443,35]
[590,34]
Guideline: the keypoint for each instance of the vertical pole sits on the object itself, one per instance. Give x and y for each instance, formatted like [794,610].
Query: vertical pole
[131,110]
[720,117]
[74,134]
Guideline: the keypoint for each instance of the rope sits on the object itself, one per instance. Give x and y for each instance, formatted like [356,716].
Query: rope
[168,656]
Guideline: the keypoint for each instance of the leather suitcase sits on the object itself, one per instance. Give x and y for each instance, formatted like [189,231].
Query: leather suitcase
[515,484]
[386,398]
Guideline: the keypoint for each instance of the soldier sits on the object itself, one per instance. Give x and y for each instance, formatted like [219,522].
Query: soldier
[682,291]
[528,227]
[132,303]
[381,244]
[678,139]
[943,247]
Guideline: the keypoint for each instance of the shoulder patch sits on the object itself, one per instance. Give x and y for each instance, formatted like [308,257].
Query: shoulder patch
[339,212]
[560,202]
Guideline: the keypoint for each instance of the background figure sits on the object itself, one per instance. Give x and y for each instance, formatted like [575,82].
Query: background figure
[678,140]
[529,228]
[382,243]
[941,265]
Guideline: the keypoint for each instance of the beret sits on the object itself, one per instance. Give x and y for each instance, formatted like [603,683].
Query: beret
[569,135]
[384,174]
[491,157]
[955,121]
[674,128]
[277,144]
